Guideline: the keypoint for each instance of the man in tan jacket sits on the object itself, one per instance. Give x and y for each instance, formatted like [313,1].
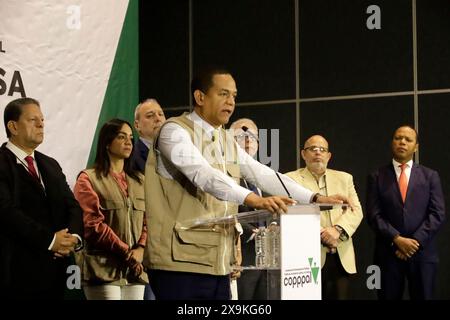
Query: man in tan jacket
[337,226]
[193,174]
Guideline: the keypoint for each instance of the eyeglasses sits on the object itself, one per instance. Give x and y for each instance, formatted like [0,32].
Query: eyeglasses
[316,148]
[245,135]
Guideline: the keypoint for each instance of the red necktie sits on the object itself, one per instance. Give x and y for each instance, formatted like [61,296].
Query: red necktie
[402,182]
[31,168]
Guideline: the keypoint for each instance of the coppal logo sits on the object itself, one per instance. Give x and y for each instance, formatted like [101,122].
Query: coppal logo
[314,269]
[299,277]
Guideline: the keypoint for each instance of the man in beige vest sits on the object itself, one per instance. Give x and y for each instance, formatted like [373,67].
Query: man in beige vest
[193,173]
[338,226]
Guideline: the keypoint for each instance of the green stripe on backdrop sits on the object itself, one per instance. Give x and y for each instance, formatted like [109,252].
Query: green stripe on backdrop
[122,93]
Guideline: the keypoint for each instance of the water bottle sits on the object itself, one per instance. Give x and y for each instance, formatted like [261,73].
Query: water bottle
[260,248]
[275,245]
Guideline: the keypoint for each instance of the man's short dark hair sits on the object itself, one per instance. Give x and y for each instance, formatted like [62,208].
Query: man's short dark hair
[408,126]
[14,109]
[203,80]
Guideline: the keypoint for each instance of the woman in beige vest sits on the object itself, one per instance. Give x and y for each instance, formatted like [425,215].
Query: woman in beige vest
[111,195]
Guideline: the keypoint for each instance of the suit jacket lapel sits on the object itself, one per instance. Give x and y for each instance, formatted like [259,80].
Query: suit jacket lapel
[143,150]
[309,181]
[413,180]
[332,188]
[21,170]
[331,183]
[46,176]
[391,178]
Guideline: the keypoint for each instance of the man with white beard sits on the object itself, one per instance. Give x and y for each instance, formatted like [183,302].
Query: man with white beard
[337,226]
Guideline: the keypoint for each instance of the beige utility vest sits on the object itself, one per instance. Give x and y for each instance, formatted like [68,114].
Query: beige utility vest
[173,204]
[125,217]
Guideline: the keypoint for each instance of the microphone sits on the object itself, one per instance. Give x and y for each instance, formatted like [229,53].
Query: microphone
[245,129]
[284,186]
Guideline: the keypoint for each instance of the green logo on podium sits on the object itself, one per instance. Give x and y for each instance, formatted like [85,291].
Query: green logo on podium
[314,269]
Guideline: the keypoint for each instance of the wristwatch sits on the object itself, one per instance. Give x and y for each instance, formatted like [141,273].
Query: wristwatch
[315,197]
[342,234]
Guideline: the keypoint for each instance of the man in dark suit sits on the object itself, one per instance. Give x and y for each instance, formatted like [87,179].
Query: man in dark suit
[148,119]
[41,222]
[405,208]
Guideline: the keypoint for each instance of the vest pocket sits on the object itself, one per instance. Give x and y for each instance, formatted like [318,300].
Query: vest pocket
[196,246]
[107,204]
[139,204]
[97,266]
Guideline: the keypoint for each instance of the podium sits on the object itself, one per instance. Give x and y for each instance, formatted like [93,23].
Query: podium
[293,268]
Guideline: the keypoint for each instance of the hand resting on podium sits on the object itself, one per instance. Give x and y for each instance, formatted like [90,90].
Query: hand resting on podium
[274,204]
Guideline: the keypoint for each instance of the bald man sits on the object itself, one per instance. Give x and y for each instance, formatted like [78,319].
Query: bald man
[248,138]
[337,226]
[148,119]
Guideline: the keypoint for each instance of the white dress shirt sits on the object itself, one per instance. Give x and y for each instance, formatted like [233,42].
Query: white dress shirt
[176,151]
[20,158]
[398,170]
[147,143]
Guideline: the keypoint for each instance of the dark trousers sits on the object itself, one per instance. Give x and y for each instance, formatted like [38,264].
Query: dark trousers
[420,276]
[148,293]
[252,285]
[335,280]
[171,285]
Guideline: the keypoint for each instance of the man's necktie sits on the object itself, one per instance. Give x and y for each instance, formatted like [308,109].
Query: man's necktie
[31,168]
[253,188]
[402,182]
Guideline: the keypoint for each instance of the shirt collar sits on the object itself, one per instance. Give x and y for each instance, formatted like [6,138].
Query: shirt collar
[316,176]
[19,153]
[148,143]
[397,164]
[200,122]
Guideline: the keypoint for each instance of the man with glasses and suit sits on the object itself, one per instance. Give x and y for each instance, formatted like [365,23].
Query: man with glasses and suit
[337,225]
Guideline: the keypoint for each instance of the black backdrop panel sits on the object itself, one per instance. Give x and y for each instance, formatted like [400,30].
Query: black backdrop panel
[339,55]
[174,113]
[434,131]
[359,133]
[278,117]
[433,25]
[164,52]
[252,38]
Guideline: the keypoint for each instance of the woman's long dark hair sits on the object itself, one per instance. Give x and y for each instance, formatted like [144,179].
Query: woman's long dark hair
[107,134]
